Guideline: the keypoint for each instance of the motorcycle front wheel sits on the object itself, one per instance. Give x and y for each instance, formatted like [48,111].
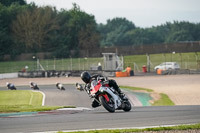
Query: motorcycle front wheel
[36,88]
[127,106]
[63,88]
[109,106]
[14,88]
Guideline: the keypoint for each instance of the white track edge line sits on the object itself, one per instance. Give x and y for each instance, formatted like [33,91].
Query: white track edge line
[43,98]
[85,130]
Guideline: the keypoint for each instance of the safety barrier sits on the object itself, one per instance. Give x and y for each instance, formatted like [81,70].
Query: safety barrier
[8,75]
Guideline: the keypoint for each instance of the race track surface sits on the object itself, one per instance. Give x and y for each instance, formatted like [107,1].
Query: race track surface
[98,118]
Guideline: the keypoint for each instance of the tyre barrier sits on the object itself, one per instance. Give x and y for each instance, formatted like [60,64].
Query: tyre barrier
[40,74]
[179,71]
[37,74]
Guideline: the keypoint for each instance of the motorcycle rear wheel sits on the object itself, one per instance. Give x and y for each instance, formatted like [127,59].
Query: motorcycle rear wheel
[110,107]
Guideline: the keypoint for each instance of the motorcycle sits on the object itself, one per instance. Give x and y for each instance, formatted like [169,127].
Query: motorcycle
[34,86]
[11,86]
[106,96]
[60,86]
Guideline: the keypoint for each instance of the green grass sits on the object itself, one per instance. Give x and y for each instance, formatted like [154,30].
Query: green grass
[136,88]
[25,108]
[23,101]
[20,97]
[186,61]
[163,101]
[174,128]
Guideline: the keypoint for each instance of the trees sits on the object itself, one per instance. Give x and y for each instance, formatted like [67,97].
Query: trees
[116,33]
[9,2]
[88,37]
[7,14]
[113,33]
[28,28]
[77,31]
[33,27]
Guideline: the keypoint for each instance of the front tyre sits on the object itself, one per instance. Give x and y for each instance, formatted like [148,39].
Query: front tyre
[109,106]
[36,88]
[63,88]
[13,88]
[127,106]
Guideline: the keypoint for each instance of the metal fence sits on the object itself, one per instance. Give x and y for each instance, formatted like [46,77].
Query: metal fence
[51,64]
[189,61]
[186,61]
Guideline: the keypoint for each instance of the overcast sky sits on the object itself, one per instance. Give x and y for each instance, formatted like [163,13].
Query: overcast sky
[143,13]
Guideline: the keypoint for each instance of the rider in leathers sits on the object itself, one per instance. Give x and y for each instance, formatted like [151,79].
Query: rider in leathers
[91,81]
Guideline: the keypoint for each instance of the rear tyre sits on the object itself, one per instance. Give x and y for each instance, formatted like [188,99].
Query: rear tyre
[127,106]
[109,106]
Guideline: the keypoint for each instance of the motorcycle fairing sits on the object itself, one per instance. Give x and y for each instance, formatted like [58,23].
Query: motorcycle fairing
[105,96]
[95,89]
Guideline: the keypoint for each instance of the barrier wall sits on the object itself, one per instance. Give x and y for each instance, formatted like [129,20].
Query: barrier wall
[8,75]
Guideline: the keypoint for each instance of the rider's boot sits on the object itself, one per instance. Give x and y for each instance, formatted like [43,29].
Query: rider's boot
[95,104]
[116,87]
[121,94]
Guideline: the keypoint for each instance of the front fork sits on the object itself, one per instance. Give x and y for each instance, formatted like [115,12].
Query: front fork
[116,98]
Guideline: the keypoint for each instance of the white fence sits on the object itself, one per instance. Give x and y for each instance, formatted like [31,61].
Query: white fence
[8,75]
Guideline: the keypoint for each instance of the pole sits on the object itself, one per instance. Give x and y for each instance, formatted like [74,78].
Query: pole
[38,67]
[148,62]
[54,63]
[33,63]
[71,62]
[196,55]
[79,64]
[62,65]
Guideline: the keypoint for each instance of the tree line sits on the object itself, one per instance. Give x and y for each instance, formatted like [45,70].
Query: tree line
[121,32]
[28,28]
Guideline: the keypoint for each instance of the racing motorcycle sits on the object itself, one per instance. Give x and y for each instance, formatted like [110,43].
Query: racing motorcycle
[34,86]
[11,86]
[60,86]
[106,96]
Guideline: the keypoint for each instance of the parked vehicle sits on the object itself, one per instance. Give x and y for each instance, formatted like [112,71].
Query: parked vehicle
[106,96]
[167,66]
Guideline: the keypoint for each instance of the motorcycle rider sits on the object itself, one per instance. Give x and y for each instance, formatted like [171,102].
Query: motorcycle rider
[33,85]
[91,81]
[60,86]
[10,86]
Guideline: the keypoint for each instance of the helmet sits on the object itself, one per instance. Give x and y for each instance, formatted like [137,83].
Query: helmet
[85,76]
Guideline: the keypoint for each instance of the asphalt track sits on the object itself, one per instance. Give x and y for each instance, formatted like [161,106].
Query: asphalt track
[99,118]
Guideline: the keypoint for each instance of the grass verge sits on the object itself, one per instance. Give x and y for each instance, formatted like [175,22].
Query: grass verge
[174,128]
[25,108]
[136,88]
[20,97]
[23,101]
[163,101]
